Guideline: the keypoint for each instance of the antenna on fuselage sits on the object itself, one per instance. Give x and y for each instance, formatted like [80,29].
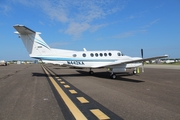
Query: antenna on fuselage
[84,49]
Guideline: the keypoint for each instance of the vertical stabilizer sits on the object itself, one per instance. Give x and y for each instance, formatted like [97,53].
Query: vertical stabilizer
[34,44]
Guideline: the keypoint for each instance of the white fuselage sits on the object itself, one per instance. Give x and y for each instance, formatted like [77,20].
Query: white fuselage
[89,59]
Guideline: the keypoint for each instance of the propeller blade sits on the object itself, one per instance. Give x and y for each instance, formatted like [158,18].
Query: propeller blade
[142,55]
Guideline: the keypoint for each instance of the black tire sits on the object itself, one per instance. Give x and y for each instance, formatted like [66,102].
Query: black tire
[91,72]
[113,76]
[134,72]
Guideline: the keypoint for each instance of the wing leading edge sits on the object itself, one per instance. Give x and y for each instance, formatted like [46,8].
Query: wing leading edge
[131,61]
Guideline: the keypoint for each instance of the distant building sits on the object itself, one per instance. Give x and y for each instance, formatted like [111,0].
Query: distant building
[18,62]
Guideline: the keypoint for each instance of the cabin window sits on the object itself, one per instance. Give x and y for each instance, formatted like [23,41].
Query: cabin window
[101,54]
[110,54]
[84,55]
[74,55]
[92,55]
[105,54]
[96,54]
[119,54]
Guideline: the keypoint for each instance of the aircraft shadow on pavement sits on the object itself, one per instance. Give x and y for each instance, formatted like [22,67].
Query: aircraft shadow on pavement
[60,75]
[67,68]
[105,75]
[61,68]
[39,74]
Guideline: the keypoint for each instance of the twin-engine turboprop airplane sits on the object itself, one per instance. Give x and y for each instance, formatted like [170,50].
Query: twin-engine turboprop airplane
[114,60]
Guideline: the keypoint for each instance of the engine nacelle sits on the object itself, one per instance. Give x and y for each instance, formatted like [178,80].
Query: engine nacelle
[118,70]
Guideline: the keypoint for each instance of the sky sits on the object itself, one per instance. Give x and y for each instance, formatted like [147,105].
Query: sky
[125,25]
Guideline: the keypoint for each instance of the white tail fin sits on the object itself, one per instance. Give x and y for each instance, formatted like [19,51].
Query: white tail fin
[34,44]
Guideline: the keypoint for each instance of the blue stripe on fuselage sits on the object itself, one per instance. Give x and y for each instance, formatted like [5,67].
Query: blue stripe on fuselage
[74,59]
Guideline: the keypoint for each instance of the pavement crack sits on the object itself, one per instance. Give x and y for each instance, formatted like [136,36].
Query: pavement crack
[10,74]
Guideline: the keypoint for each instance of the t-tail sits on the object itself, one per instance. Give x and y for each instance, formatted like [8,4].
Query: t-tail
[34,44]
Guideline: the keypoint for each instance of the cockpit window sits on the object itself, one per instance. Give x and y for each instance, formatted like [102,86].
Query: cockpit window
[119,54]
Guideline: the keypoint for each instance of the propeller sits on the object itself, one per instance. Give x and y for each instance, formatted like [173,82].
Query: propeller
[142,55]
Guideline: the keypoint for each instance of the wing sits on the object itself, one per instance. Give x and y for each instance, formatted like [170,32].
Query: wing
[118,62]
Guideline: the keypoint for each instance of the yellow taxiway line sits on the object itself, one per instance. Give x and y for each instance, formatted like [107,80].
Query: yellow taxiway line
[72,91]
[66,86]
[72,107]
[99,114]
[82,100]
[62,82]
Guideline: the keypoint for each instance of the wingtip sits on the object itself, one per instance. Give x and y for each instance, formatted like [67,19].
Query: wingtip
[18,25]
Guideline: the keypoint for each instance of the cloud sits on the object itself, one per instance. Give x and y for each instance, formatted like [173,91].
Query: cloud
[41,23]
[56,11]
[151,23]
[131,17]
[159,6]
[129,34]
[4,9]
[96,27]
[77,28]
[57,44]
[125,34]
[26,2]
[78,15]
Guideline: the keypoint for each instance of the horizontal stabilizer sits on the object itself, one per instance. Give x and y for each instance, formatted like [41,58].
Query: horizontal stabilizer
[23,29]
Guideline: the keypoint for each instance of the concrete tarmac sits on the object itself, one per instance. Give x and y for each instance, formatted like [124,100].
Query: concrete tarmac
[154,94]
[25,93]
[160,66]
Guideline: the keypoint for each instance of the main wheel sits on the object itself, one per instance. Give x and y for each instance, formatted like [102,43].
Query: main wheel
[91,72]
[113,76]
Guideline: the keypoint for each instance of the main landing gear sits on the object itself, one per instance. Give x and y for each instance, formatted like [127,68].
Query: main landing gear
[91,72]
[113,75]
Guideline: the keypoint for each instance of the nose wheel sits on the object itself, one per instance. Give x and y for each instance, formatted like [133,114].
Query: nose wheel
[135,71]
